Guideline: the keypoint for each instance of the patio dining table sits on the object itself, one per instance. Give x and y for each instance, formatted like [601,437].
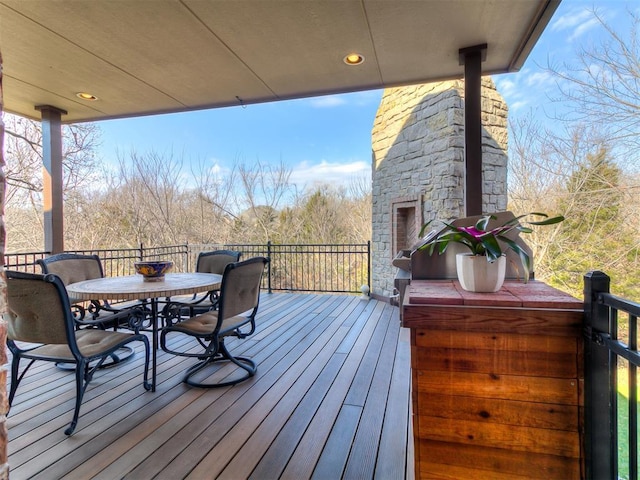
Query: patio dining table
[133,287]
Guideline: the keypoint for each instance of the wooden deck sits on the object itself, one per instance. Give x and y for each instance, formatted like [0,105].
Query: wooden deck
[331,399]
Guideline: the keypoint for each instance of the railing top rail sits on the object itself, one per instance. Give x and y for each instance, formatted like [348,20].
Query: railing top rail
[307,267]
[619,303]
[291,244]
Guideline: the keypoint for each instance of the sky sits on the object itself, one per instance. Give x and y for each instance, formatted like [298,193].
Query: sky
[328,139]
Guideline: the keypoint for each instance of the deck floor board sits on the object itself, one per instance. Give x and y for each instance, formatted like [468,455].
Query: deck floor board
[331,397]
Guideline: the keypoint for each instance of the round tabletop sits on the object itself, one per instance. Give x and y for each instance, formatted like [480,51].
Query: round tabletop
[133,287]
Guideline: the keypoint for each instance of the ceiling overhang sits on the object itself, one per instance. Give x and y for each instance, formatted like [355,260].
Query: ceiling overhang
[150,57]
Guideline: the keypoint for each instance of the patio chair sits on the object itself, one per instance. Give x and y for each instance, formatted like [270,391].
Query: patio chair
[40,326]
[235,316]
[208,262]
[72,268]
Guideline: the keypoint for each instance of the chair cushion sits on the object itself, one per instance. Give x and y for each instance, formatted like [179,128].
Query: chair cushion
[75,270]
[92,343]
[205,324]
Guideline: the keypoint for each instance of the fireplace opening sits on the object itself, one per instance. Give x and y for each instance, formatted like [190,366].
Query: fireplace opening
[407,221]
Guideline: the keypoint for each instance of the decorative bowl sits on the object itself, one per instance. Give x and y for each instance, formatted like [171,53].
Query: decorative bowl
[153,270]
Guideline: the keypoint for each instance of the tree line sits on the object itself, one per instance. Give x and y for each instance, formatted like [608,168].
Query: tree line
[157,199]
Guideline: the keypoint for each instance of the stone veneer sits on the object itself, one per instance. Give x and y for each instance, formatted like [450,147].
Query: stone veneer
[4,404]
[418,165]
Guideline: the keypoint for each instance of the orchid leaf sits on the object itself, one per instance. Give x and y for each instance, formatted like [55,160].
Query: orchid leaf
[483,222]
[491,245]
[424,228]
[548,221]
[524,257]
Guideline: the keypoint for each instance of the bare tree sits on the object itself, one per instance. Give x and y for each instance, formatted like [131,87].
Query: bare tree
[24,176]
[24,159]
[328,214]
[603,84]
[574,172]
[212,200]
[263,190]
[151,199]
[587,167]
[359,213]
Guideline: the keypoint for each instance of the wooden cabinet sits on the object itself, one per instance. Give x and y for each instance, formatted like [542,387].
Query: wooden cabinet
[497,381]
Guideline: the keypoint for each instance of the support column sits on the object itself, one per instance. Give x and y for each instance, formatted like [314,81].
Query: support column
[472,58]
[52,177]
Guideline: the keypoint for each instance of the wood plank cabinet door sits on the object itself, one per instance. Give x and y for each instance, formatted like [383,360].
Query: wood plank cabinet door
[496,402]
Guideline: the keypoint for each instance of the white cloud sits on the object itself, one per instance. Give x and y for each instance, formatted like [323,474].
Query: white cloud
[518,105]
[305,174]
[584,28]
[512,90]
[357,99]
[328,101]
[574,17]
[366,97]
[505,86]
[576,22]
[539,79]
[217,168]
[526,88]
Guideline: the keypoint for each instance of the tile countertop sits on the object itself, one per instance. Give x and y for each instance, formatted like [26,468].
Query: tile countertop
[534,294]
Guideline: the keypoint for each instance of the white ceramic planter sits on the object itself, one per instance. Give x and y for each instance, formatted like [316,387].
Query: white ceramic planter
[476,274]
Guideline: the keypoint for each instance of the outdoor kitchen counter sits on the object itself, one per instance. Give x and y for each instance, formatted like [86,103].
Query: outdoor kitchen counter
[497,381]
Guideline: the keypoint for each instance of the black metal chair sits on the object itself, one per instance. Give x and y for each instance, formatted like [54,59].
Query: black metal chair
[235,316]
[40,326]
[208,262]
[72,268]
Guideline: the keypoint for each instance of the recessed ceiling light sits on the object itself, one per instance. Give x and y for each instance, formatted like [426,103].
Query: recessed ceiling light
[86,96]
[354,59]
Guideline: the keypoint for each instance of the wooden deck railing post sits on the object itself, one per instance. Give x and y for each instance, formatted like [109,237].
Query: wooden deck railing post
[598,429]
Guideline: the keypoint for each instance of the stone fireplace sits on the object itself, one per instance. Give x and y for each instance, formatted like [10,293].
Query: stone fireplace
[406,222]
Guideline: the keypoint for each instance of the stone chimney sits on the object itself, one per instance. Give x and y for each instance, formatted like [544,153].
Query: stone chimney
[418,165]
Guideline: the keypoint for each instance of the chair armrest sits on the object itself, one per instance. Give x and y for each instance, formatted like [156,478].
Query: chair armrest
[175,310]
[103,315]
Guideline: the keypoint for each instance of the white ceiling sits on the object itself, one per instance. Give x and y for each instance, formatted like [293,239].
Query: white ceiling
[142,57]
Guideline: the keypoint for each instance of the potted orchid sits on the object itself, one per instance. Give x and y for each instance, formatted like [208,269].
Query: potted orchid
[487,243]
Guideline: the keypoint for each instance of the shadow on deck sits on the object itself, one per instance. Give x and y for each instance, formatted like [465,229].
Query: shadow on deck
[331,399]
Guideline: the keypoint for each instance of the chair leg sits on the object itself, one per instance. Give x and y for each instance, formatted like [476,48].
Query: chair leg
[16,377]
[223,355]
[84,374]
[81,386]
[145,379]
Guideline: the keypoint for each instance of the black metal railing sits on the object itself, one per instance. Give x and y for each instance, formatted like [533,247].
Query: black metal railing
[23,262]
[331,268]
[611,382]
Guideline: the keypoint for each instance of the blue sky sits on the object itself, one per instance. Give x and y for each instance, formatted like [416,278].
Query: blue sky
[328,139]
[573,27]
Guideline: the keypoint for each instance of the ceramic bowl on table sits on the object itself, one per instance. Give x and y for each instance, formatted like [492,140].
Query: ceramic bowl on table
[153,270]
